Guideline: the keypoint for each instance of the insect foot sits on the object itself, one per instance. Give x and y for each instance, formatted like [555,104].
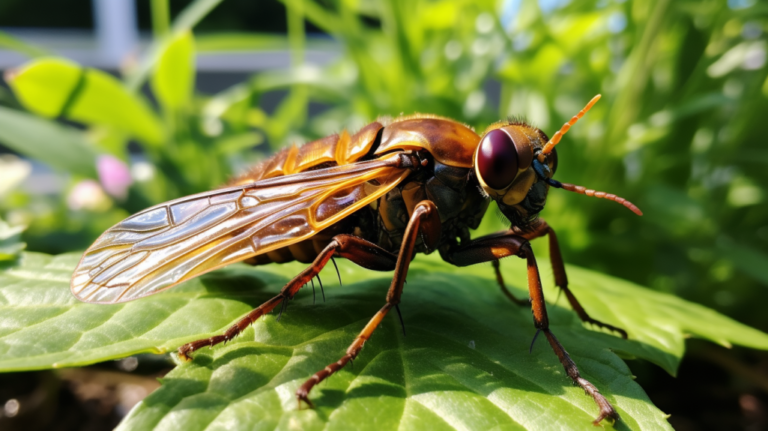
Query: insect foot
[302,394]
[600,324]
[184,352]
[606,409]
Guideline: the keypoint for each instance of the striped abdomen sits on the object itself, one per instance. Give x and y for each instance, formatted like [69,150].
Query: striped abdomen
[337,149]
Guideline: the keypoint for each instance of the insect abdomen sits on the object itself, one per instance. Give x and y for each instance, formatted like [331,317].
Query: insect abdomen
[337,149]
[334,150]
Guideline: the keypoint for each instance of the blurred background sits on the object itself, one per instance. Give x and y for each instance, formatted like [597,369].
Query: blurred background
[110,106]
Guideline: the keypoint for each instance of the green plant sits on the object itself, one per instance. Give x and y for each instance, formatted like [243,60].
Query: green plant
[464,363]
[677,132]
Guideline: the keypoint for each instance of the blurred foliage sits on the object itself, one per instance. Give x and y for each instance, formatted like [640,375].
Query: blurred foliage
[10,243]
[678,130]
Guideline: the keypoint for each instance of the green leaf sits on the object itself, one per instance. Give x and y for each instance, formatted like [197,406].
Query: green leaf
[54,87]
[10,241]
[59,146]
[174,77]
[161,17]
[185,21]
[464,362]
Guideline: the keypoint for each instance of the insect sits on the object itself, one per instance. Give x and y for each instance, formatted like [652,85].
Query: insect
[412,184]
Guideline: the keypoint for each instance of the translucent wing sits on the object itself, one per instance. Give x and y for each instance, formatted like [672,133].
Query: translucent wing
[175,241]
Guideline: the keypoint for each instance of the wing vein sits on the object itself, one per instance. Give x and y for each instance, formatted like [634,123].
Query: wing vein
[225,226]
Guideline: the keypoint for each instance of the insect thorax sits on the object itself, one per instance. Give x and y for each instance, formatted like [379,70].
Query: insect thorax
[460,204]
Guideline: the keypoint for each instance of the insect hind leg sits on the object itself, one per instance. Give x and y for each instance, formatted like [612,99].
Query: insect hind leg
[358,250]
[424,221]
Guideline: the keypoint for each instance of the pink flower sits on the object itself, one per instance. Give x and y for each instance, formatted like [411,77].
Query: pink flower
[88,195]
[114,176]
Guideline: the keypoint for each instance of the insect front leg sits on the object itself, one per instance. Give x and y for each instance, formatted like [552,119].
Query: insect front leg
[424,222]
[497,246]
[561,279]
[358,250]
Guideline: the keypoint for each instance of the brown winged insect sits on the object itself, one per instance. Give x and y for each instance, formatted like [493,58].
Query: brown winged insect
[412,184]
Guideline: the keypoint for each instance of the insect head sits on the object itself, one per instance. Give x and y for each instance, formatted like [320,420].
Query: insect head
[515,163]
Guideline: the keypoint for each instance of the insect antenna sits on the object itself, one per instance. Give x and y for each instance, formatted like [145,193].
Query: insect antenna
[402,324]
[563,130]
[593,193]
[337,269]
[321,286]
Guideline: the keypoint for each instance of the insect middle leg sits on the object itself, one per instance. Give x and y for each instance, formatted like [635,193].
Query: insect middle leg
[425,216]
[360,251]
[561,279]
[507,293]
[497,246]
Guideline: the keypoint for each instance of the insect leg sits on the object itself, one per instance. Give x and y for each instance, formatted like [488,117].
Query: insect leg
[494,247]
[561,279]
[425,214]
[288,291]
[353,248]
[507,293]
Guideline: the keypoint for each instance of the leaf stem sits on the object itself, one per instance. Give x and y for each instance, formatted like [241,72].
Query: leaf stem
[161,18]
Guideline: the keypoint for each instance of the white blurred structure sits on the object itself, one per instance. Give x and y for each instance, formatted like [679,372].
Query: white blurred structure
[117,38]
[117,31]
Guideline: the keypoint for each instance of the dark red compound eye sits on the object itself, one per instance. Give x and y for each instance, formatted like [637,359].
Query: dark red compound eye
[497,159]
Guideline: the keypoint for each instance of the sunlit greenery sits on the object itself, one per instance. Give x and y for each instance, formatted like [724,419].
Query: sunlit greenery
[679,130]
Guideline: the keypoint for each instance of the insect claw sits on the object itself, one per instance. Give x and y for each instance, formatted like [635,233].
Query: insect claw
[306,400]
[282,308]
[337,269]
[321,286]
[559,292]
[530,350]
[397,307]
[184,356]
[314,297]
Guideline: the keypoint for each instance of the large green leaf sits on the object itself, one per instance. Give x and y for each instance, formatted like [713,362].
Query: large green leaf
[464,362]
[54,87]
[59,146]
[174,77]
